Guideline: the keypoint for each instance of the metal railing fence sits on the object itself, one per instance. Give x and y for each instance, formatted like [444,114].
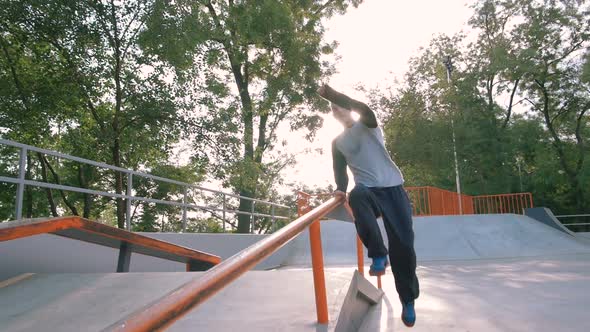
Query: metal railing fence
[128,196]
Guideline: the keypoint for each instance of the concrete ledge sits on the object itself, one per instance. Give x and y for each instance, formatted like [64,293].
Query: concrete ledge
[545,216]
[361,296]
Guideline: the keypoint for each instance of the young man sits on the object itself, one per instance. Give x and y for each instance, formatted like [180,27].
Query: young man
[378,192]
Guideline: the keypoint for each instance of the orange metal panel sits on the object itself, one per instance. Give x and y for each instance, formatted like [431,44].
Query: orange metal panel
[24,228]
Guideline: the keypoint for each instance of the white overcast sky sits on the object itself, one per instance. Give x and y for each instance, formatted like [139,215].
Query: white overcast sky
[376,41]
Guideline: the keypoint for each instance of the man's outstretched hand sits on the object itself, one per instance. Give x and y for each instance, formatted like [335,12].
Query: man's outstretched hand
[323,90]
[338,194]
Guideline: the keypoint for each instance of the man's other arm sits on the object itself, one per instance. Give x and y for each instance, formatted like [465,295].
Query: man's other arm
[339,165]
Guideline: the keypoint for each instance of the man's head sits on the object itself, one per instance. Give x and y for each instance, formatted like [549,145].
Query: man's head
[343,115]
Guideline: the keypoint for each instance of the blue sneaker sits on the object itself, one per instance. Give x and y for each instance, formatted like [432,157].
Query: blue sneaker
[378,266]
[408,314]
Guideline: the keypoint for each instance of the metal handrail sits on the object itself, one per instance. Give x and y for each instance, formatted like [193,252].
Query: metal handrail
[169,308]
[127,171]
[575,216]
[21,182]
[133,198]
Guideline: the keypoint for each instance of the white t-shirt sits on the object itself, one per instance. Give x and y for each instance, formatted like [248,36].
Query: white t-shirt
[366,155]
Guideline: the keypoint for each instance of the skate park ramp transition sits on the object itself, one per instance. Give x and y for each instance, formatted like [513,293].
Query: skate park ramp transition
[497,272]
[477,273]
[441,238]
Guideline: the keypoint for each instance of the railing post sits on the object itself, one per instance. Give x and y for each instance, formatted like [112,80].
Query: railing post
[272,213]
[184,209]
[319,282]
[223,213]
[442,195]
[360,256]
[20,189]
[252,217]
[430,207]
[128,194]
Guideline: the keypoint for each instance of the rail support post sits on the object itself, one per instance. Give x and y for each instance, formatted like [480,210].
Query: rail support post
[319,281]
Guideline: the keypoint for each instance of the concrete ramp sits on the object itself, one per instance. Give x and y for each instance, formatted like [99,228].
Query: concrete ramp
[490,236]
[508,295]
[80,302]
[258,301]
[448,238]
[477,273]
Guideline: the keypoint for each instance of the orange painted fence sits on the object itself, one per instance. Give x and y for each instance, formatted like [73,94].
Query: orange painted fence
[431,201]
[506,203]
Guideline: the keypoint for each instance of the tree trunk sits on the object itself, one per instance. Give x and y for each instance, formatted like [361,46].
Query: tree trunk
[572,174]
[118,109]
[119,185]
[61,192]
[48,191]
[87,197]
[248,187]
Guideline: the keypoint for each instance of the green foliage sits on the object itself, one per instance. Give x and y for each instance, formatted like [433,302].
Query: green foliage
[251,67]
[75,79]
[519,99]
[122,82]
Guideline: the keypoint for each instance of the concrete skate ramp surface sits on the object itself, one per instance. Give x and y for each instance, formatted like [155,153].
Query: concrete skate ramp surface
[490,236]
[477,273]
[541,294]
[80,302]
[449,238]
[258,301]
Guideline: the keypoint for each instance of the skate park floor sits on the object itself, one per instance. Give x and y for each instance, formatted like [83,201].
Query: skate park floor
[477,273]
[524,294]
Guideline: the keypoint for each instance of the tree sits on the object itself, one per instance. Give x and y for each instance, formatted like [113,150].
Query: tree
[552,38]
[254,67]
[519,97]
[87,88]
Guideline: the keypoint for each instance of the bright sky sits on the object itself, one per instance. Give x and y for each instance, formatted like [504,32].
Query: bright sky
[376,41]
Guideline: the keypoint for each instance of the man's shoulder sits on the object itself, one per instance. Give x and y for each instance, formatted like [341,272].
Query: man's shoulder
[359,125]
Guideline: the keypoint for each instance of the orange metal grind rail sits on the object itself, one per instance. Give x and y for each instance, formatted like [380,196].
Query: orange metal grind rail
[165,311]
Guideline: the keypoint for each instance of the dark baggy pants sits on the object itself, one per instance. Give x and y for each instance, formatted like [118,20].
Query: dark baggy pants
[393,205]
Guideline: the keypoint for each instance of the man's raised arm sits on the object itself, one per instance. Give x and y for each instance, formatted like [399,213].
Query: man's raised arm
[367,116]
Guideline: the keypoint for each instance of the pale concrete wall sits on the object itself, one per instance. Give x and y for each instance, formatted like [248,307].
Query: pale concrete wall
[54,254]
